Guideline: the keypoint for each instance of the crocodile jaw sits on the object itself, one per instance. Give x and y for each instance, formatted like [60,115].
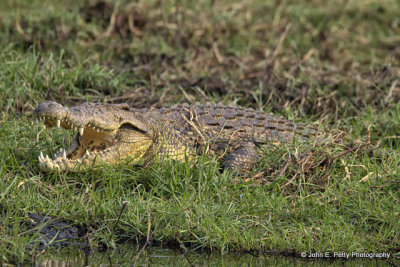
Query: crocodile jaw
[89,147]
[93,145]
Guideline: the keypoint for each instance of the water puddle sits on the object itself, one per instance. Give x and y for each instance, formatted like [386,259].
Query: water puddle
[129,255]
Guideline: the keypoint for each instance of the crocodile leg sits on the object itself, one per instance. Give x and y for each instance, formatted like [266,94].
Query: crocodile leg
[242,158]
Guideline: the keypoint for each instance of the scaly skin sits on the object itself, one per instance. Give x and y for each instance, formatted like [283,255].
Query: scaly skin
[108,134]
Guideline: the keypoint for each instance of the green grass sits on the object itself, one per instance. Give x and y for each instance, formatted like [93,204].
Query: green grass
[337,64]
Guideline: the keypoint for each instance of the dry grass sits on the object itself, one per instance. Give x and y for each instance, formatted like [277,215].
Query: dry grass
[332,63]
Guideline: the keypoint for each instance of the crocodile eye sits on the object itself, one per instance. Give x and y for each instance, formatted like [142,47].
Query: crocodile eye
[124,106]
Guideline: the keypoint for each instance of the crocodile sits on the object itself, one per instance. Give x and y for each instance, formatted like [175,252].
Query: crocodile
[110,133]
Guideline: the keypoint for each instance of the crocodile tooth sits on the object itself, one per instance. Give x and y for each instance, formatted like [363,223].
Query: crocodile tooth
[88,153]
[81,130]
[40,159]
[97,130]
[55,156]
[58,123]
[75,129]
[41,156]
[64,154]
[47,158]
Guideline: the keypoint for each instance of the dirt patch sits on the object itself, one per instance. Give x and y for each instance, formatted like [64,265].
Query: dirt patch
[326,62]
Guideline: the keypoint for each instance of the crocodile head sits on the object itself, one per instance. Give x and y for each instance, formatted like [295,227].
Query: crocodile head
[106,134]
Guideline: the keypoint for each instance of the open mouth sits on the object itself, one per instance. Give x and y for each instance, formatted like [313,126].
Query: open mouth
[91,143]
[105,133]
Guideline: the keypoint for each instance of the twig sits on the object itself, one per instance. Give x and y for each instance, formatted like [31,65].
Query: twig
[19,28]
[254,177]
[124,204]
[111,25]
[348,151]
[284,168]
[390,93]
[131,23]
[148,238]
[271,59]
[217,54]
[193,125]
[366,177]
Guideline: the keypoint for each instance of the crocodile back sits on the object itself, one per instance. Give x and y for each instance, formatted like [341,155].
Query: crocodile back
[215,121]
